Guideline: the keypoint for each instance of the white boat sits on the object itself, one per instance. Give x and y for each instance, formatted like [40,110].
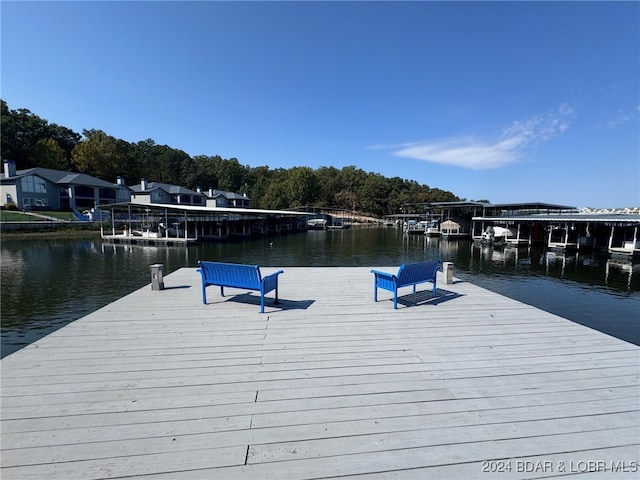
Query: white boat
[496,235]
[317,223]
[629,246]
[432,228]
[413,226]
[627,249]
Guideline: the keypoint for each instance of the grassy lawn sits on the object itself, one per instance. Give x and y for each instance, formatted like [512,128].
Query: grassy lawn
[55,230]
[59,215]
[9,216]
[12,216]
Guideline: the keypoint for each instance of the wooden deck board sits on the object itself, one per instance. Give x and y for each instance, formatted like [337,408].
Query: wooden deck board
[326,384]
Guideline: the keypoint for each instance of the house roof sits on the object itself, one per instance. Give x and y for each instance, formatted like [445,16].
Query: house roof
[235,196]
[171,189]
[61,177]
[225,194]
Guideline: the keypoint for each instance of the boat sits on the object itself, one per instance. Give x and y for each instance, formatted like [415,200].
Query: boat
[432,228]
[625,245]
[317,223]
[494,235]
[627,249]
[413,226]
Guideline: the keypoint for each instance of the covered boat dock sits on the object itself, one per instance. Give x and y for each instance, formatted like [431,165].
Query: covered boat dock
[168,224]
[558,227]
[615,232]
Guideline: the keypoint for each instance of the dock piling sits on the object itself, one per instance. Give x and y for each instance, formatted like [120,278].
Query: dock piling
[157,282]
[447,269]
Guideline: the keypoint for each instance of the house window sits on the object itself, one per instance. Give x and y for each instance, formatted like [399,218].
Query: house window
[107,194]
[28,203]
[33,184]
[84,192]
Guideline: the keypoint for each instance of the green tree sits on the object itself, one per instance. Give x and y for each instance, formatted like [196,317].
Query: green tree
[21,130]
[189,174]
[170,165]
[329,179]
[48,153]
[437,195]
[230,174]
[302,187]
[66,138]
[144,153]
[374,195]
[98,155]
[276,196]
[24,139]
[258,180]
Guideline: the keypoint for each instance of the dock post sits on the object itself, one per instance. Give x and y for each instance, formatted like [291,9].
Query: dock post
[447,269]
[157,282]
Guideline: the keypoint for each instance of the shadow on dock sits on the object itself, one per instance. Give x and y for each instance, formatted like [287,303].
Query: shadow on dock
[254,299]
[424,298]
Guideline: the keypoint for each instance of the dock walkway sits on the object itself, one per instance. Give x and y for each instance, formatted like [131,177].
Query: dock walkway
[328,384]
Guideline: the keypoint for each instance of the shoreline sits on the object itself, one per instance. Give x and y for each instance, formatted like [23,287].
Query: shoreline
[49,232]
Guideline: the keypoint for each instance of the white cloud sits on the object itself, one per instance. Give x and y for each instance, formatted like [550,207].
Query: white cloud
[506,148]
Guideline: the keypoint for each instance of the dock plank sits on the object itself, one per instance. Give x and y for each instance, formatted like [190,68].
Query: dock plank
[326,384]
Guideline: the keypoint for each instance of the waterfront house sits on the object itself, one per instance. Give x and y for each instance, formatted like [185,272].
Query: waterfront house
[148,193]
[162,193]
[222,199]
[47,189]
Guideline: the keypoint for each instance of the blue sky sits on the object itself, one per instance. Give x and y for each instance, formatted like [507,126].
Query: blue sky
[505,101]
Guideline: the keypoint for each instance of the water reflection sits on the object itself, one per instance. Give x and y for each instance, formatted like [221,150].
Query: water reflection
[590,268]
[48,283]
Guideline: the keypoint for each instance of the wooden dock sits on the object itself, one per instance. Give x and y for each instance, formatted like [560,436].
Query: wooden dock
[328,384]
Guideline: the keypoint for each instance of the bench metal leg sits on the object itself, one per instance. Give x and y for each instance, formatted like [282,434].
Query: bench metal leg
[204,293]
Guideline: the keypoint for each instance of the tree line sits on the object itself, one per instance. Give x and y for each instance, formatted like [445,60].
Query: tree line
[34,142]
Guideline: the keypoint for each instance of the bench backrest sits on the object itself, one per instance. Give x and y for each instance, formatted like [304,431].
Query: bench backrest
[231,274]
[418,272]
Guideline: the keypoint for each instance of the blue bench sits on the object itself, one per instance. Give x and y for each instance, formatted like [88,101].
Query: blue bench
[237,276]
[408,275]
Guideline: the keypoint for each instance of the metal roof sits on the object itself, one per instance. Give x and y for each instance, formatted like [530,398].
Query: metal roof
[204,210]
[566,217]
[529,206]
[500,206]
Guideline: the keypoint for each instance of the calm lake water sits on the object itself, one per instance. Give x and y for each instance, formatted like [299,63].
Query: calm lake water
[49,283]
